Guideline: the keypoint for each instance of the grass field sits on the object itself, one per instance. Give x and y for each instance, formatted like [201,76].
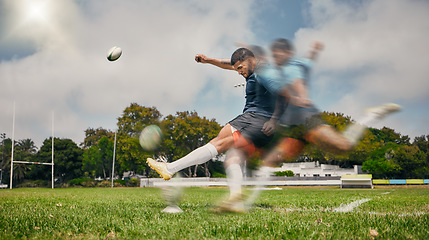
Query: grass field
[290,213]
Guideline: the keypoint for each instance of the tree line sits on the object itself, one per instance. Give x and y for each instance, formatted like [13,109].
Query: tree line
[382,152]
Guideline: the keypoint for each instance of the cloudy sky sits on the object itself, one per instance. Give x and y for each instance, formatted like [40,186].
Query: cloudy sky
[53,59]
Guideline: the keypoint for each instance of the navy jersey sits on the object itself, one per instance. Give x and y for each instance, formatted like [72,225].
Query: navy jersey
[258,99]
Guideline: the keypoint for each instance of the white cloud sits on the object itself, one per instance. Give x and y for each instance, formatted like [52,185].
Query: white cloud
[70,75]
[379,50]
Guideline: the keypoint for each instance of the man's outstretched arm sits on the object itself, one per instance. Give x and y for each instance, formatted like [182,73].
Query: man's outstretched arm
[223,63]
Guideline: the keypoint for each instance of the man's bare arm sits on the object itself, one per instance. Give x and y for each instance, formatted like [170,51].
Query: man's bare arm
[223,63]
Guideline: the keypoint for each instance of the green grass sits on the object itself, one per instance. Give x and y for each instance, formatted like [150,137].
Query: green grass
[135,213]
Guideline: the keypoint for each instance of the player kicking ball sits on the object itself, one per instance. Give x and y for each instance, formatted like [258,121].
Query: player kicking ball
[241,135]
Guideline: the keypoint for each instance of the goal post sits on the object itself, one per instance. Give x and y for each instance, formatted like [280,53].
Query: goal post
[25,162]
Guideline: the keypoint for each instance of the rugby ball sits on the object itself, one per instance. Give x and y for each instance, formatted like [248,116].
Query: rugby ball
[114,53]
[150,138]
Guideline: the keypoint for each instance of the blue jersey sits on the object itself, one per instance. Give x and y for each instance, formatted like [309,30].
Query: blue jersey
[276,78]
[272,78]
[297,69]
[258,98]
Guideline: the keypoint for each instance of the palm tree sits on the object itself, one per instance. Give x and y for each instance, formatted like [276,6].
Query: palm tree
[26,146]
[24,150]
[20,171]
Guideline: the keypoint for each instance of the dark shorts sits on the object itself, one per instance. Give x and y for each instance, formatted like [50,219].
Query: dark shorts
[294,115]
[250,126]
[299,131]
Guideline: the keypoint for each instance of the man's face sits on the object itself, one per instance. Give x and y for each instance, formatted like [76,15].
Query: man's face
[245,68]
[281,56]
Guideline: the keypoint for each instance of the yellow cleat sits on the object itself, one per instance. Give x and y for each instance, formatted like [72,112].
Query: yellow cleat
[160,168]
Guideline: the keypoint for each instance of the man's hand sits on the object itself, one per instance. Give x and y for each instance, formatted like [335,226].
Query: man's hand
[301,102]
[269,127]
[224,63]
[317,46]
[201,58]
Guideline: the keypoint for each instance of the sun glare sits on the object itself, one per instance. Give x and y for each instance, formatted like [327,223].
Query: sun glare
[36,11]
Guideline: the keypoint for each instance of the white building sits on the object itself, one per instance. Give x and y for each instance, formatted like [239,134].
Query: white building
[314,169]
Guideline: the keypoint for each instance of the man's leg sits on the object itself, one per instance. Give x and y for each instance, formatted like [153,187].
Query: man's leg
[331,140]
[286,150]
[234,159]
[234,174]
[222,142]
[355,131]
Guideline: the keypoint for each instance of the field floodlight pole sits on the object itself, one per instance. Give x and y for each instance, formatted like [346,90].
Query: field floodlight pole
[114,154]
[243,85]
[3,136]
[52,150]
[13,144]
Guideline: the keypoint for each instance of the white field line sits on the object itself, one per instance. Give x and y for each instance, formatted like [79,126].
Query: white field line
[349,207]
[267,189]
[414,214]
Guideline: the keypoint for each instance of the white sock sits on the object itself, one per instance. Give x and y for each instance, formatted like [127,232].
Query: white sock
[198,156]
[265,173]
[368,119]
[234,179]
[355,131]
[261,177]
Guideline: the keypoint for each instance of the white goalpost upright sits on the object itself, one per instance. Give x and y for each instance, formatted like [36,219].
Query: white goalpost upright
[13,145]
[52,158]
[24,162]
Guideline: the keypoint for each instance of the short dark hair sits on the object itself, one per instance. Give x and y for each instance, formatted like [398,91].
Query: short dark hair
[257,51]
[282,44]
[240,55]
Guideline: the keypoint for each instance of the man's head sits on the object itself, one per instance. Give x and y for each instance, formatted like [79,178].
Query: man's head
[259,52]
[282,51]
[243,61]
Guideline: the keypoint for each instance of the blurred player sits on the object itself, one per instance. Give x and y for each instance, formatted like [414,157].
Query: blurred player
[298,122]
[243,134]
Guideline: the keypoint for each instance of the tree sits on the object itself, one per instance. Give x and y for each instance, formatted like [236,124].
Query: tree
[185,132]
[381,164]
[90,162]
[106,155]
[24,151]
[93,136]
[26,146]
[67,158]
[422,143]
[6,157]
[130,155]
[412,162]
[97,160]
[389,135]
[135,118]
